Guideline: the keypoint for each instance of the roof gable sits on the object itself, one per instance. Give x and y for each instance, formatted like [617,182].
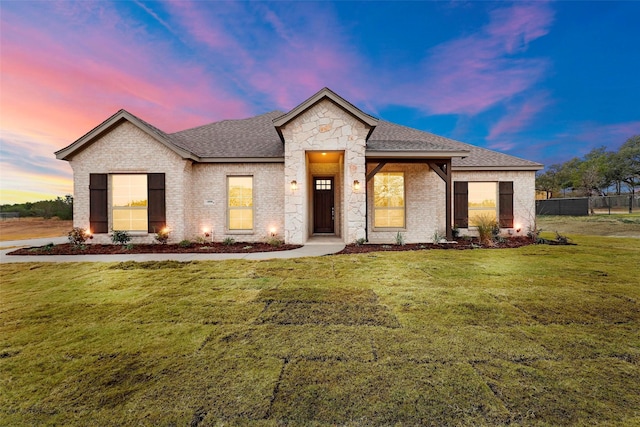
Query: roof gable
[112,122]
[324,93]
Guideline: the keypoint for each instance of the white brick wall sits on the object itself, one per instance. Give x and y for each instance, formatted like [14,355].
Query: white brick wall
[210,183]
[127,149]
[524,203]
[424,204]
[324,127]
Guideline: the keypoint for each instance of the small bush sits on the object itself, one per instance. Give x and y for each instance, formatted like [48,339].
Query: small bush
[185,243]
[455,232]
[486,225]
[361,241]
[120,237]
[78,236]
[274,241]
[560,238]
[533,233]
[437,237]
[399,239]
[162,236]
[228,241]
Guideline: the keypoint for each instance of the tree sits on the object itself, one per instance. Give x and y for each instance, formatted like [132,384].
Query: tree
[629,157]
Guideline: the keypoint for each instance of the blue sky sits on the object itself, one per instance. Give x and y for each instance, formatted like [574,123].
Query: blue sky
[546,81]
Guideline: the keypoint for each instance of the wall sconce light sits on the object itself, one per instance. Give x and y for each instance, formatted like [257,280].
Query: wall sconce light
[273,231]
[518,228]
[356,185]
[294,185]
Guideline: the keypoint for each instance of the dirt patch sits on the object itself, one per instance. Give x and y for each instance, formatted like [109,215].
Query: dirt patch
[33,228]
[205,248]
[512,242]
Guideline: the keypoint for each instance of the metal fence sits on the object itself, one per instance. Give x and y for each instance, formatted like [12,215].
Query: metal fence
[615,204]
[580,206]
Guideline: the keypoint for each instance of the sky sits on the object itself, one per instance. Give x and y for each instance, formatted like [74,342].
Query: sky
[545,81]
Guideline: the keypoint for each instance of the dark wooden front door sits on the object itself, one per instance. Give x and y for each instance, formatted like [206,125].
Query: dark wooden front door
[323,209]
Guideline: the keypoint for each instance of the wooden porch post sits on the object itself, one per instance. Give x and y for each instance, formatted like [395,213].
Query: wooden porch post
[443,169]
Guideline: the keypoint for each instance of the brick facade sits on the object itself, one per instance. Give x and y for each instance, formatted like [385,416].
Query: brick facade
[196,192]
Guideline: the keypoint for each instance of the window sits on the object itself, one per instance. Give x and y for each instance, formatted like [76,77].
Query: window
[240,202]
[483,201]
[129,199]
[388,194]
[323,184]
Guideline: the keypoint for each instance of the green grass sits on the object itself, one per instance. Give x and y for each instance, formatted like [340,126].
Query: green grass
[615,225]
[540,336]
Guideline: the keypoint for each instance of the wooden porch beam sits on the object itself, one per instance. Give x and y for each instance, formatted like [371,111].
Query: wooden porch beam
[375,170]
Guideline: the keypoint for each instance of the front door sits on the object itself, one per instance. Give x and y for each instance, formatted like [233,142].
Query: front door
[323,209]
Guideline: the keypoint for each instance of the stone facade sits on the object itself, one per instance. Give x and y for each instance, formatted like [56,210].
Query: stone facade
[324,127]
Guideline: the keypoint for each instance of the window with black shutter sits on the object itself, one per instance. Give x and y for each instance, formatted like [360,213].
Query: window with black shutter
[506,204]
[460,204]
[157,204]
[98,203]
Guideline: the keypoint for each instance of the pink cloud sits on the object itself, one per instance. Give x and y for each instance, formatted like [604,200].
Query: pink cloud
[48,83]
[518,116]
[474,73]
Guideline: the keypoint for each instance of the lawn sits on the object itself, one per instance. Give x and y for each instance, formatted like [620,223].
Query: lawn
[539,335]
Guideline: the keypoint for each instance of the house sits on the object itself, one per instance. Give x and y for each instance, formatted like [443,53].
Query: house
[323,168]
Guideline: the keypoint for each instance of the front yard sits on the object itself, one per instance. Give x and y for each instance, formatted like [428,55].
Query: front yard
[538,335]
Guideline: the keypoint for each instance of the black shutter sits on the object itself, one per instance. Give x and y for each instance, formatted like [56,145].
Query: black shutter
[461,204]
[98,209]
[506,204]
[157,205]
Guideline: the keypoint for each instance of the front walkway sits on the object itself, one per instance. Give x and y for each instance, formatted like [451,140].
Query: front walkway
[316,246]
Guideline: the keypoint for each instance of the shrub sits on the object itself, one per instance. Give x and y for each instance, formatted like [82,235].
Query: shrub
[228,241]
[162,236]
[78,236]
[560,238]
[361,241]
[437,237]
[399,239]
[185,243]
[455,232]
[486,225]
[120,237]
[274,241]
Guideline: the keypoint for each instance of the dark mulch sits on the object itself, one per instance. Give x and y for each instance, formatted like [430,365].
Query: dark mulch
[217,248]
[203,248]
[512,242]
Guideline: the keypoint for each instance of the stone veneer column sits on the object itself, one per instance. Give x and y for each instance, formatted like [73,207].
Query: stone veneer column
[324,127]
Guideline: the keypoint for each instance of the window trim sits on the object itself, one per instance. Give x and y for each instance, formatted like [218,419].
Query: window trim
[228,209]
[404,207]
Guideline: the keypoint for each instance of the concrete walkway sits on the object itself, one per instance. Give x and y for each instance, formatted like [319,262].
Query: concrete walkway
[316,246]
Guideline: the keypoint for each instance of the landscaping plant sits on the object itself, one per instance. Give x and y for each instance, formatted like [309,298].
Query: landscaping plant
[120,237]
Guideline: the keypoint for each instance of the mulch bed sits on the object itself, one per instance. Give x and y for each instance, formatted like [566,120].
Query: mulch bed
[201,248]
[220,248]
[511,242]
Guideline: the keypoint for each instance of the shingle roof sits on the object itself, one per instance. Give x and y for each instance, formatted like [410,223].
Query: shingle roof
[257,138]
[389,136]
[253,137]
